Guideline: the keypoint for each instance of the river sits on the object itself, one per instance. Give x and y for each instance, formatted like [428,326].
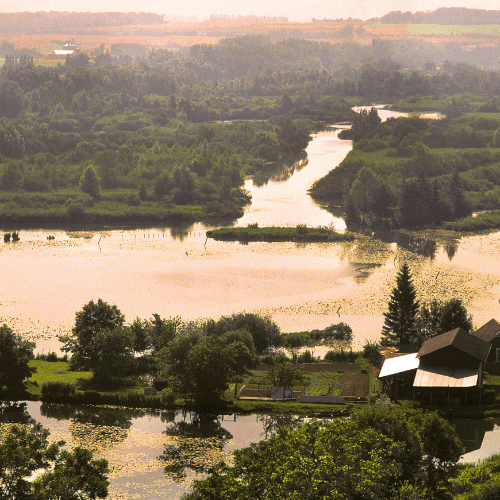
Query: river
[176,271]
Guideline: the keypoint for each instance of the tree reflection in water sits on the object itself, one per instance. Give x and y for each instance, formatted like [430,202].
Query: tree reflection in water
[271,423]
[281,171]
[196,445]
[15,413]
[94,427]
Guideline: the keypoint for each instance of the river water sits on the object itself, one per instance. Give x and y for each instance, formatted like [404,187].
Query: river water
[176,271]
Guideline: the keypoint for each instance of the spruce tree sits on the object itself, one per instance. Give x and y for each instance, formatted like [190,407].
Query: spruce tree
[403,307]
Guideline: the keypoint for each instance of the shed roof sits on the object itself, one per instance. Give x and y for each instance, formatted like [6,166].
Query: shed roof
[488,331]
[461,340]
[438,376]
[399,364]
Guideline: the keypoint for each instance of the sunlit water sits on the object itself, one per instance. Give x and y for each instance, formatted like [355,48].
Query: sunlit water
[178,272]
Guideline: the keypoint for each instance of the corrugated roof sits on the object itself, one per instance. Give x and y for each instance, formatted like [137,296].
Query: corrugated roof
[446,377]
[488,331]
[399,364]
[459,339]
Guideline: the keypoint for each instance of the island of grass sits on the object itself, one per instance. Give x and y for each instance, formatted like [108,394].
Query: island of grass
[300,233]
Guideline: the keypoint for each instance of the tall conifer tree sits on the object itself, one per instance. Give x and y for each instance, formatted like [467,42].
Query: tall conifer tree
[403,308]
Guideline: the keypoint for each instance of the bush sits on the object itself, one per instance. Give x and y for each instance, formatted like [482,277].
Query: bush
[306,357]
[57,390]
[75,210]
[15,236]
[6,237]
[167,397]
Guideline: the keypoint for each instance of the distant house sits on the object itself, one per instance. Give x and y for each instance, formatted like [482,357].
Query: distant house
[68,48]
[448,369]
[490,332]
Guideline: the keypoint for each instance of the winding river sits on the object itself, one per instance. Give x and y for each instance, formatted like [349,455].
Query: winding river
[176,271]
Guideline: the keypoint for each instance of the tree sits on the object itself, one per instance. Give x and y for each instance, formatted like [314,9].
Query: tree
[282,373]
[61,475]
[335,459]
[90,183]
[11,99]
[114,353]
[403,307]
[438,317]
[90,321]
[15,354]
[363,190]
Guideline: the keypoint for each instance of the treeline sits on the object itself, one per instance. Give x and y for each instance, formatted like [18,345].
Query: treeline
[54,21]
[444,15]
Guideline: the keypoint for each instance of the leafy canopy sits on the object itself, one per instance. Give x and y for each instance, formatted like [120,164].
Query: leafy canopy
[15,355]
[61,475]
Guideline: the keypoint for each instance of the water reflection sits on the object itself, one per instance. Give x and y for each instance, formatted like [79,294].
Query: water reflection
[271,424]
[194,445]
[16,413]
[472,432]
[415,244]
[280,171]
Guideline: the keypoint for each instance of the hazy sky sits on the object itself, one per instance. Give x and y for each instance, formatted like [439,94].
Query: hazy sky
[295,10]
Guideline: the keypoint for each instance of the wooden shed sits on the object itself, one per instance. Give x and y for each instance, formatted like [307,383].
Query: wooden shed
[450,369]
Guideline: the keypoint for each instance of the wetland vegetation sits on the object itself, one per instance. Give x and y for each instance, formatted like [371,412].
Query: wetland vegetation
[299,234]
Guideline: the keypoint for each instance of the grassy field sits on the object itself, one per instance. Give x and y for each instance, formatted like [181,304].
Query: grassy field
[57,371]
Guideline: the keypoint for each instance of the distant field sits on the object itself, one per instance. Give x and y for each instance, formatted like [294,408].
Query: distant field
[452,29]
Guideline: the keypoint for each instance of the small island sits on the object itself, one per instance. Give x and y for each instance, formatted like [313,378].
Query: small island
[300,233]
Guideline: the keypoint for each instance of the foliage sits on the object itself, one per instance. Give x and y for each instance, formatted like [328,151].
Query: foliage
[440,317]
[302,234]
[55,390]
[90,182]
[72,475]
[284,374]
[91,321]
[321,459]
[370,352]
[403,307]
[15,355]
[264,331]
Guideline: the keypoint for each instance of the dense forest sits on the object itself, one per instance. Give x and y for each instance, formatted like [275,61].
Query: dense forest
[171,136]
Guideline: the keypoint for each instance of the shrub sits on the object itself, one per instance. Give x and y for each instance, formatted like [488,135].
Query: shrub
[6,237]
[167,397]
[75,211]
[306,357]
[57,390]
[15,236]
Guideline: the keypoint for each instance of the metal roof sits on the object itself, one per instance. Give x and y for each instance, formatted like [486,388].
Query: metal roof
[399,364]
[438,376]
[461,340]
[488,331]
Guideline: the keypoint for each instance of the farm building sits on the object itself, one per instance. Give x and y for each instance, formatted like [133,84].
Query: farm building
[451,368]
[490,332]
[448,369]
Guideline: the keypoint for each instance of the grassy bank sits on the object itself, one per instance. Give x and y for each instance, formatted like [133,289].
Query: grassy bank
[274,234]
[480,222]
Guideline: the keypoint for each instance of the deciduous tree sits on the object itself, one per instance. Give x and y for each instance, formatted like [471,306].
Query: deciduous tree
[15,354]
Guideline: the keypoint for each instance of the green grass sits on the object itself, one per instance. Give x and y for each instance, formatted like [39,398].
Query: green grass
[57,371]
[484,221]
